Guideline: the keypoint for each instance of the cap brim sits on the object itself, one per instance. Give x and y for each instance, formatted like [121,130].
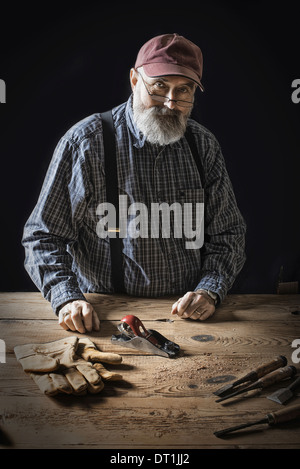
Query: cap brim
[164,69]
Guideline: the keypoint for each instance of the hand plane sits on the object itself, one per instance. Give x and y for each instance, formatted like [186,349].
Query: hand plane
[135,335]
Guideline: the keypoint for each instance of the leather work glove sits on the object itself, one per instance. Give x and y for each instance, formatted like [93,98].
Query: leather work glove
[89,352]
[64,366]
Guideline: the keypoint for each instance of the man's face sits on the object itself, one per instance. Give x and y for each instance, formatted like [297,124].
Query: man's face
[165,122]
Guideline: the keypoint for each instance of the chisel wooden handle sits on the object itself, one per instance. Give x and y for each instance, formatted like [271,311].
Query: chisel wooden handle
[284,415]
[292,387]
[254,375]
[271,366]
[275,376]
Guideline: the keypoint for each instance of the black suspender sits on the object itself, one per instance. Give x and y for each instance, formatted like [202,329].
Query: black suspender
[112,192]
[112,195]
[193,147]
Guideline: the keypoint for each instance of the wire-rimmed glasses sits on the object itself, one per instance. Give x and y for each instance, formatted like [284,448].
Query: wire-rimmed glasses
[164,99]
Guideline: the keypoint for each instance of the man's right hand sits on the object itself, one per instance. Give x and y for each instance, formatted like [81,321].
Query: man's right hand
[78,316]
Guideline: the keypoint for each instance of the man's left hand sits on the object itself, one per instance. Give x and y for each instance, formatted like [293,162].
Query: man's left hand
[194,305]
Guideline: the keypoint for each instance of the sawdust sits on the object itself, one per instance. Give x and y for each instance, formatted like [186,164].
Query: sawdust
[205,369]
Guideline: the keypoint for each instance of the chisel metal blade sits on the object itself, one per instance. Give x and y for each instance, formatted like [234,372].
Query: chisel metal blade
[281,396]
[229,388]
[221,433]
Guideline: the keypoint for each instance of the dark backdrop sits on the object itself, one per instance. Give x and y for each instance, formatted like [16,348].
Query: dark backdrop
[62,62]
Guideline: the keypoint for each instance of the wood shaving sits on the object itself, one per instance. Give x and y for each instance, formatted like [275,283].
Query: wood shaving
[196,370]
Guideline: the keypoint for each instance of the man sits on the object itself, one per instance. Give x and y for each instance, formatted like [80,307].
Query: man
[67,256]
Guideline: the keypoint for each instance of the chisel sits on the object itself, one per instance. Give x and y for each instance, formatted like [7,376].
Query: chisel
[273,418]
[265,381]
[283,395]
[262,370]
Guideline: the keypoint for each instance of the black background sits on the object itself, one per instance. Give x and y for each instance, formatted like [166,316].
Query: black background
[64,61]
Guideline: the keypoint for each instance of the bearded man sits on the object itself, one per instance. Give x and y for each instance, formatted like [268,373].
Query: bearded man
[156,166]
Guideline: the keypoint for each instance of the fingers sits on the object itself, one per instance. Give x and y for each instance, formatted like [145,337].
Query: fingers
[185,306]
[194,305]
[78,316]
[96,321]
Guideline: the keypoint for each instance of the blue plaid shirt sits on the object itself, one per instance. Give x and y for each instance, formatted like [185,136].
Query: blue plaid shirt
[66,258]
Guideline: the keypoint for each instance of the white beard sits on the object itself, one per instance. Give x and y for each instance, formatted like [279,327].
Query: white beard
[160,125]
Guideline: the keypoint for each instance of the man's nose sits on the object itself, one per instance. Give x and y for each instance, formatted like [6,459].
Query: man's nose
[171,102]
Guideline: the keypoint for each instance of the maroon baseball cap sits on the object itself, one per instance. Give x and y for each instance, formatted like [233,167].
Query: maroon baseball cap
[171,54]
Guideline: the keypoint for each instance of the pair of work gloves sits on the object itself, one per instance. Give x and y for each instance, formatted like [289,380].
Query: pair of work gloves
[67,365]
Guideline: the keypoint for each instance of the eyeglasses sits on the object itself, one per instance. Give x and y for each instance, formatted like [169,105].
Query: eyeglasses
[164,99]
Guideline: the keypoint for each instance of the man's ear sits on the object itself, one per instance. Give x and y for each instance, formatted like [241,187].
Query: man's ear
[133,78]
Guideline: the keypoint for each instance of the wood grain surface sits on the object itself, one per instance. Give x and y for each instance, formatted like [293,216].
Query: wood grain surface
[161,402]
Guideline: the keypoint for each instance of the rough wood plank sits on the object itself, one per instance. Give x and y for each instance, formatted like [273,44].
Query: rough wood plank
[106,422]
[23,305]
[226,338]
[161,403]
[197,376]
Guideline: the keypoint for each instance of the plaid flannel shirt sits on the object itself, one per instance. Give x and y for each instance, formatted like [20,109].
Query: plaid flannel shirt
[66,258]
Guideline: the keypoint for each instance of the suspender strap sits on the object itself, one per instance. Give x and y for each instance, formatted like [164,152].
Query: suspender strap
[112,195]
[192,144]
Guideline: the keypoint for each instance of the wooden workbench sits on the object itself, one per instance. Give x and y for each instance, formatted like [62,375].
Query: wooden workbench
[161,403]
